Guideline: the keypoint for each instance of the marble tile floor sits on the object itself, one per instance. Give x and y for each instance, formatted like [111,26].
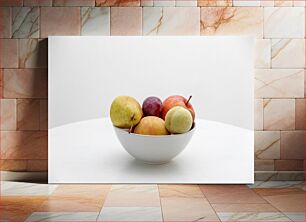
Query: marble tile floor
[262,201]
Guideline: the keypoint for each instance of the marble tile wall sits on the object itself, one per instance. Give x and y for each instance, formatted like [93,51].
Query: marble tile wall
[279,77]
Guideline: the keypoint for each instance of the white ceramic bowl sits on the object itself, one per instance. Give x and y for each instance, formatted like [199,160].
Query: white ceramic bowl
[153,149]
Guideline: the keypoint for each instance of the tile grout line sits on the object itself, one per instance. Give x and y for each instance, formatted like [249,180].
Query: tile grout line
[161,208]
[209,202]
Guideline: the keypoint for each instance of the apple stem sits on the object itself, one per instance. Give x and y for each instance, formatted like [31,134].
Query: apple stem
[188,100]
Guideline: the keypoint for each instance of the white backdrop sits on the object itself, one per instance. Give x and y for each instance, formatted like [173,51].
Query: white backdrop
[87,73]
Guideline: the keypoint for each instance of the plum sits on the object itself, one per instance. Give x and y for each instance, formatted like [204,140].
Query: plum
[152,106]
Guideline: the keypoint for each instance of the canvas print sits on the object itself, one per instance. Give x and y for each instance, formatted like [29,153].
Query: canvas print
[151,110]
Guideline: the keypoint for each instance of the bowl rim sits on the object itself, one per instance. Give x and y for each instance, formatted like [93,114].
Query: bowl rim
[156,136]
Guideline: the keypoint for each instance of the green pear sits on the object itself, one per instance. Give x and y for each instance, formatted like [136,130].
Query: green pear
[125,112]
[178,120]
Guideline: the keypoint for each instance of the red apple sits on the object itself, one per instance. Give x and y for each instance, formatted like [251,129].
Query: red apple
[172,101]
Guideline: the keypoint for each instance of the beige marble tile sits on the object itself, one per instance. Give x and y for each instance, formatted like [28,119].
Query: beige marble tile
[43,114]
[187,209]
[33,53]
[5,22]
[25,83]
[25,22]
[289,165]
[212,3]
[8,114]
[267,3]
[263,53]
[24,145]
[292,144]
[264,165]
[146,3]
[126,21]
[288,53]
[51,17]
[133,196]
[300,114]
[13,165]
[171,21]
[279,114]
[37,2]
[95,21]
[246,3]
[8,53]
[180,191]
[267,145]
[117,3]
[28,114]
[279,83]
[232,21]
[283,3]
[284,22]
[258,114]
[37,165]
[163,3]
[73,2]
[186,3]
[4,3]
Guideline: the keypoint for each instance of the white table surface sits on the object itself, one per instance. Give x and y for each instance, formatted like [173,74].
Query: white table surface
[89,152]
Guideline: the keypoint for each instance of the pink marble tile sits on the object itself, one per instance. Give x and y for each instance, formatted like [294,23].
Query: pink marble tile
[5,22]
[73,2]
[126,21]
[25,83]
[24,145]
[8,53]
[33,53]
[289,165]
[13,165]
[232,21]
[292,144]
[4,3]
[171,21]
[230,194]
[215,3]
[37,2]
[118,2]
[1,83]
[8,114]
[284,3]
[25,22]
[300,114]
[43,114]
[28,114]
[279,114]
[37,165]
[51,17]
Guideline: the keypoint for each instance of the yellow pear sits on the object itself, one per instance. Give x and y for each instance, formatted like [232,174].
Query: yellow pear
[125,112]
